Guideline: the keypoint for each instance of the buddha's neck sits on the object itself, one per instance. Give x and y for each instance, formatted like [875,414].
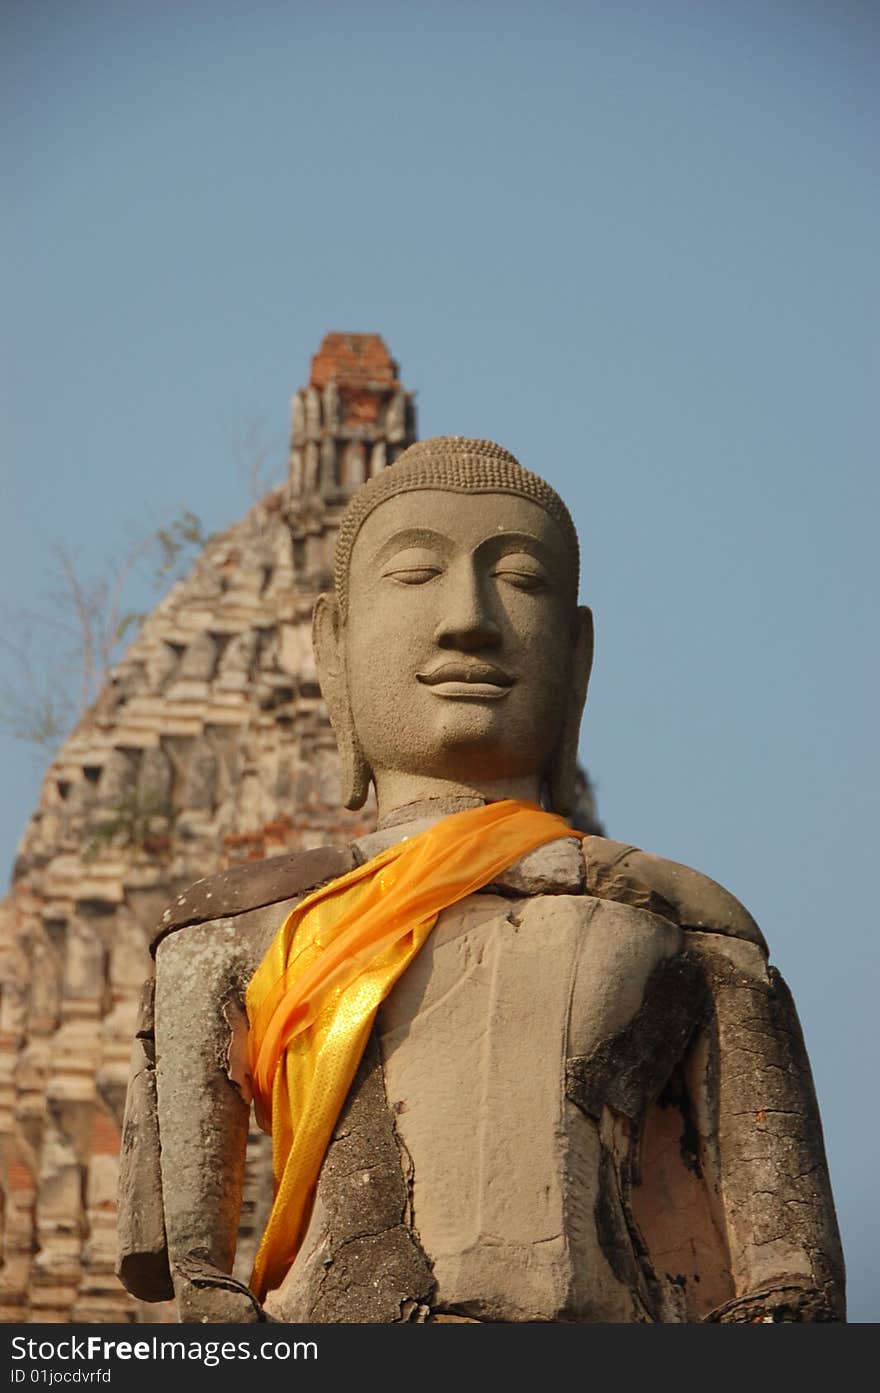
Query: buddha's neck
[398,793]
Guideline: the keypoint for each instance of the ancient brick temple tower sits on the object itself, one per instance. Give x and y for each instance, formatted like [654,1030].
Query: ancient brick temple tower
[209,744]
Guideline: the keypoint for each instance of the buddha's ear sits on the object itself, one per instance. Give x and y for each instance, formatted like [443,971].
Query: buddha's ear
[563,768]
[330,661]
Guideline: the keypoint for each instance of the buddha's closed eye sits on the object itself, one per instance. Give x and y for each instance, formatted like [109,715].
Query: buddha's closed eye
[414,566]
[412,575]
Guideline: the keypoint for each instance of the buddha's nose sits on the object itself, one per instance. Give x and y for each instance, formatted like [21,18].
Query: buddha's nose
[467,623]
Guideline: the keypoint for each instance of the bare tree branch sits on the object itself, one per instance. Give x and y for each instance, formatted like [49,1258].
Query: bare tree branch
[36,704]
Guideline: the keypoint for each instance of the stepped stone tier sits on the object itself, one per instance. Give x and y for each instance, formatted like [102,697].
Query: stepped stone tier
[208,745]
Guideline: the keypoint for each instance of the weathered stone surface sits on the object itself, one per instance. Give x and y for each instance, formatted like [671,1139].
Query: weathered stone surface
[207,1295]
[672,1204]
[203,1093]
[361,1259]
[783,1303]
[142,1264]
[623,873]
[155,778]
[626,1071]
[196,1098]
[763,1120]
[199,659]
[557,868]
[507,1171]
[254,885]
[118,775]
[200,783]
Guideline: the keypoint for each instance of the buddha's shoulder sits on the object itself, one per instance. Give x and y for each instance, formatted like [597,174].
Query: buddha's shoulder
[616,871]
[254,885]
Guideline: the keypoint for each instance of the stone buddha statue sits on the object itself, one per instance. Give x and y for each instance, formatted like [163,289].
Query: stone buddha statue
[581,1095]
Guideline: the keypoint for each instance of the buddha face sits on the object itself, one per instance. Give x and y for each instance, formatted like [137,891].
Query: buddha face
[459,644]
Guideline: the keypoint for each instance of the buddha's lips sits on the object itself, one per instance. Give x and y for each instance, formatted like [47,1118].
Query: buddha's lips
[468,679]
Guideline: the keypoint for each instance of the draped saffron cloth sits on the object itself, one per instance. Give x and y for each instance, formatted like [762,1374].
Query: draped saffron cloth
[312,1001]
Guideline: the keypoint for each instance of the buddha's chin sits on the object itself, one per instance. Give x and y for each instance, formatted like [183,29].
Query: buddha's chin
[466,727]
[479,752]
[466,743]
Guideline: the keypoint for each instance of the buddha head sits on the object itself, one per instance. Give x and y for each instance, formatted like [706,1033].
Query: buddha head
[452,655]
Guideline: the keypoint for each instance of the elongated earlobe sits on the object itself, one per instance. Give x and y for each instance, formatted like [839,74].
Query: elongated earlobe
[329,658]
[562,773]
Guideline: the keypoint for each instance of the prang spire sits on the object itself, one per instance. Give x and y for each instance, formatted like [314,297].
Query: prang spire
[352,419]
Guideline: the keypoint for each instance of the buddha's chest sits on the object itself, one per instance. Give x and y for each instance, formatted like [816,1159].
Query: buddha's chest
[511,1007]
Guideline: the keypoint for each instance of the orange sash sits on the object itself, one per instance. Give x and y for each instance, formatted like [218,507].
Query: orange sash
[312,1001]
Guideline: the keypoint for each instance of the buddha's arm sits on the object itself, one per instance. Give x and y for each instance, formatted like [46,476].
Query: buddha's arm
[203,1111]
[761,1142]
[184,1134]
[187,1110]
[751,1093]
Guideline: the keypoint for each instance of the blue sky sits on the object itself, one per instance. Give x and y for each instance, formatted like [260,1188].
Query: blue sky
[634,242]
